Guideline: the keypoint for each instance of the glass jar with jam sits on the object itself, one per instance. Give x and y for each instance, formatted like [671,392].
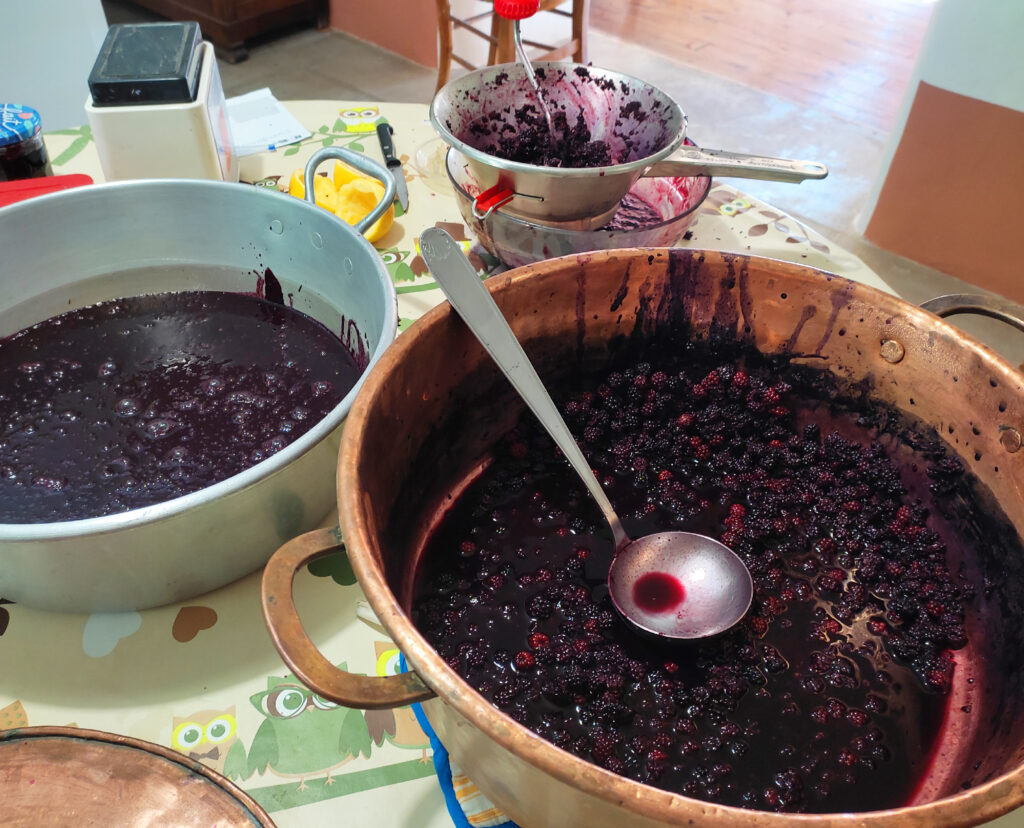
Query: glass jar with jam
[22,151]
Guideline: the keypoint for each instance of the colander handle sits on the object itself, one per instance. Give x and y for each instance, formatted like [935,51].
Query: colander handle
[302,655]
[364,165]
[690,160]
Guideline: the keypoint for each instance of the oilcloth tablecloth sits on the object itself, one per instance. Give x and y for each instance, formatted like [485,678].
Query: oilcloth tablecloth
[202,676]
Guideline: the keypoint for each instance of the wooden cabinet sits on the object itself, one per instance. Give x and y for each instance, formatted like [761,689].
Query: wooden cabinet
[228,24]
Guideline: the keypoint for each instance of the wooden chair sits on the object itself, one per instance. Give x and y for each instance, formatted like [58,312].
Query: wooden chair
[498,32]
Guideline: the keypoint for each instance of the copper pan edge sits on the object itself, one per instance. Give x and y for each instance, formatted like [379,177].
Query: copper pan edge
[172,771]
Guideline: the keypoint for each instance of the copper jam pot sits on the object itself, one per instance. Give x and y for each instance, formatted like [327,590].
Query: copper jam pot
[434,403]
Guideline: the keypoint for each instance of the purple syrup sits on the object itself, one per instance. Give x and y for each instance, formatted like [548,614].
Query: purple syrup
[830,694]
[658,592]
[137,401]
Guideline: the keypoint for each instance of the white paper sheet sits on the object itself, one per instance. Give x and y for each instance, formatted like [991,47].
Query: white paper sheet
[259,122]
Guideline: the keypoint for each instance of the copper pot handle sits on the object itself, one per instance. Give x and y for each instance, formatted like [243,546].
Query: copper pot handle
[301,654]
[997,308]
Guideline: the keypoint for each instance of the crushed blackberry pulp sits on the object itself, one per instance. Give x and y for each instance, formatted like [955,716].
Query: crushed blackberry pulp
[528,140]
[136,401]
[829,695]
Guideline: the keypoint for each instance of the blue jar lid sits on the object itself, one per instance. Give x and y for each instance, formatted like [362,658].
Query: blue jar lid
[17,123]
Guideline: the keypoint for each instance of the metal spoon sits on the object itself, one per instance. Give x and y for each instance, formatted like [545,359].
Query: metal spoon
[515,12]
[672,584]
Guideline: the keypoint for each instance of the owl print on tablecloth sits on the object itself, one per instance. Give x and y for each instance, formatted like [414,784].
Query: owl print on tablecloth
[303,734]
[725,202]
[13,715]
[398,726]
[206,736]
[398,264]
[361,119]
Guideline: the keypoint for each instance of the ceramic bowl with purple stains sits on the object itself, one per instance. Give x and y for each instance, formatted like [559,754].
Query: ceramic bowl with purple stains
[656,212]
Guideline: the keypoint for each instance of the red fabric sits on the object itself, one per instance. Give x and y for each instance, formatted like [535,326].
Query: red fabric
[19,190]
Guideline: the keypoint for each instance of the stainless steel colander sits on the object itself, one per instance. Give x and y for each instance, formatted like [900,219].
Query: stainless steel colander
[643,127]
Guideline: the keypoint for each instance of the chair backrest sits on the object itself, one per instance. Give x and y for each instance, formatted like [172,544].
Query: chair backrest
[497,33]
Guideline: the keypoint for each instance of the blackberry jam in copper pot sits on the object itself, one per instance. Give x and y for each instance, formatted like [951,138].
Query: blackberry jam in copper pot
[831,694]
[874,491]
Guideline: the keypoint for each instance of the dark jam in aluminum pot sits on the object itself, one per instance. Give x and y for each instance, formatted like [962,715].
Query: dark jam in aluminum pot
[830,695]
[22,151]
[136,401]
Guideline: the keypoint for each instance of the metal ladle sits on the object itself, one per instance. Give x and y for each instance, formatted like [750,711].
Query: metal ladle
[671,584]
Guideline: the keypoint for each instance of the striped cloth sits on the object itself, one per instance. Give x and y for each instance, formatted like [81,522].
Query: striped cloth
[467,805]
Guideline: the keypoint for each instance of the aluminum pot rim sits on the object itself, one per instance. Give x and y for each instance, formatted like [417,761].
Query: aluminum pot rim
[973,806]
[107,524]
[480,157]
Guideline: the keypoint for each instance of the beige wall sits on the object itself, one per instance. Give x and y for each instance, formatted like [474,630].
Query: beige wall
[955,171]
[48,48]
[406,27]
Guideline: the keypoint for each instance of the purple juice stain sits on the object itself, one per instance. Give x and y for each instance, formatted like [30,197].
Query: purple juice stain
[272,290]
[658,592]
[634,214]
[137,401]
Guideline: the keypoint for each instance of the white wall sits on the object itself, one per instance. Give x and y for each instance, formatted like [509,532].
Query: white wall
[47,49]
[974,48]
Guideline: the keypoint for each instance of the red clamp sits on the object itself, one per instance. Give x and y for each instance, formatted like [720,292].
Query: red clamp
[23,188]
[490,200]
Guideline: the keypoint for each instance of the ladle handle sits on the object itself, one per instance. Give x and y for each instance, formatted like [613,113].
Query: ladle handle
[302,655]
[689,160]
[472,301]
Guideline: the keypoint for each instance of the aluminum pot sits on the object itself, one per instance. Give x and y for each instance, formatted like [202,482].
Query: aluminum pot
[82,246]
[421,425]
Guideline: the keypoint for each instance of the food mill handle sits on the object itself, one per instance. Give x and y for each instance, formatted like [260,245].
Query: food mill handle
[954,303]
[690,160]
[364,165]
[471,300]
[516,9]
[301,654]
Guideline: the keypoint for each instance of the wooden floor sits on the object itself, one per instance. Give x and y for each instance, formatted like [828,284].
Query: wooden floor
[849,57]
